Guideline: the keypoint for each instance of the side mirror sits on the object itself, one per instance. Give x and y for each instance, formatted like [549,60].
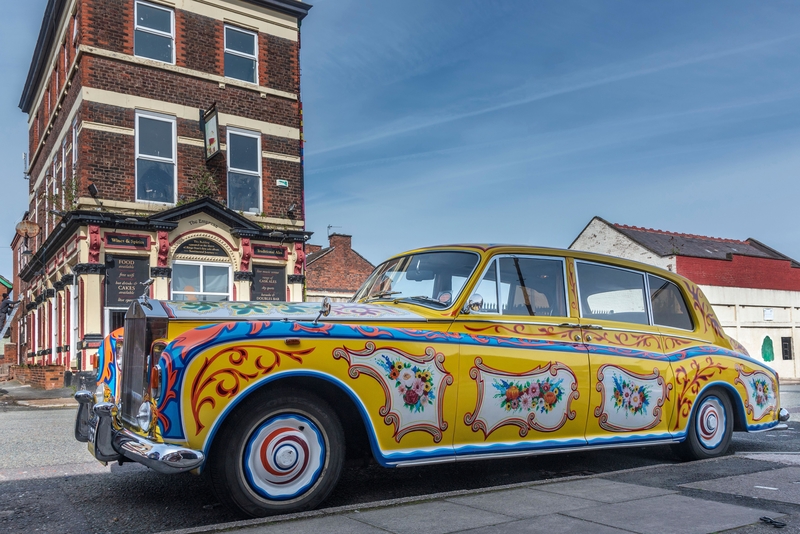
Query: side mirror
[475,303]
[324,310]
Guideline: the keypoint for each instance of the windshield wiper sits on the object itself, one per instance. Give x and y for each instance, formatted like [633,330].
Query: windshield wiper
[423,298]
[381,295]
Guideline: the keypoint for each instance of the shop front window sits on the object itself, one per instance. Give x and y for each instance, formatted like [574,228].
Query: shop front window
[201,281]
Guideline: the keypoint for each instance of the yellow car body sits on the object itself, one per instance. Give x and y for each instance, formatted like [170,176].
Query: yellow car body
[543,364]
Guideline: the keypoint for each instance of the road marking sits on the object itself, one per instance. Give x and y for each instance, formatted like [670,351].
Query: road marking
[766,487]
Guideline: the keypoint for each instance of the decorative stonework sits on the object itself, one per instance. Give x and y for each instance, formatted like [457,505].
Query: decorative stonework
[243,276]
[163,272]
[89,268]
[296,278]
[163,248]
[94,243]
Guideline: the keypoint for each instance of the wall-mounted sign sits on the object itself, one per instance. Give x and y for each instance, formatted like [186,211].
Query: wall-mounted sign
[124,278]
[269,284]
[269,251]
[127,241]
[209,122]
[769,314]
[201,247]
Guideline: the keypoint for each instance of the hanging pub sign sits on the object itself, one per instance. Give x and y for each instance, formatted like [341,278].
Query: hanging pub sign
[201,247]
[125,276]
[269,284]
[209,123]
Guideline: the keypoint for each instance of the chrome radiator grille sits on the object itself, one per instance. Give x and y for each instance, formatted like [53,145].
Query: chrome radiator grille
[134,364]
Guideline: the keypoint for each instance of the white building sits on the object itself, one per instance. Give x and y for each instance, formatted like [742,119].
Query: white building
[754,289]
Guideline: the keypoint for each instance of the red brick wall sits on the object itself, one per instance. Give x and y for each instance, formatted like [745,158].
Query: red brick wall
[42,377]
[341,269]
[740,271]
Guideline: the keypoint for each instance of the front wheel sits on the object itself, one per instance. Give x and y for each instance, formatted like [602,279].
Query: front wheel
[278,453]
[710,429]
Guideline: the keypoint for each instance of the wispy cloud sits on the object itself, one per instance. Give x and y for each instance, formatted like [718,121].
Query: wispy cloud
[401,129]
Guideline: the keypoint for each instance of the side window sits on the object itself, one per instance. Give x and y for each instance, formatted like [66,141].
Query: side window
[244,171]
[155,158]
[487,290]
[611,294]
[154,33]
[528,286]
[669,308]
[241,61]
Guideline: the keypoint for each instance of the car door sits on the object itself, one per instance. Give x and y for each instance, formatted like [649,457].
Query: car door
[523,375]
[632,380]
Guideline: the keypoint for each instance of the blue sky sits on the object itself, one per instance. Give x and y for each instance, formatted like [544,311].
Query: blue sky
[517,121]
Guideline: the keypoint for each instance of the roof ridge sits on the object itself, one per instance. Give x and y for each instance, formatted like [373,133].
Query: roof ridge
[679,234]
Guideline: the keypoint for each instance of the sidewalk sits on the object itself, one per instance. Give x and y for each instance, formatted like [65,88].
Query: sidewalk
[643,500]
[14,392]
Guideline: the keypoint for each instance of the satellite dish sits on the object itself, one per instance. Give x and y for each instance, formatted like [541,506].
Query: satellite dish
[28,229]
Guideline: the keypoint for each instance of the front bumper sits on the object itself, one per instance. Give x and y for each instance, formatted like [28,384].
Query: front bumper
[94,425]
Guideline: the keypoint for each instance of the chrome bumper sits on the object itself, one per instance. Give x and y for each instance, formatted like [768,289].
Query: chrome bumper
[94,426]
[783,415]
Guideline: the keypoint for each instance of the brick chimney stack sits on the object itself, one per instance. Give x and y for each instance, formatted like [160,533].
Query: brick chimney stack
[341,241]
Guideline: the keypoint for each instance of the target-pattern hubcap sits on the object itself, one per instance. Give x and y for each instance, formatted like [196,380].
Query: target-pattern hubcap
[284,457]
[711,422]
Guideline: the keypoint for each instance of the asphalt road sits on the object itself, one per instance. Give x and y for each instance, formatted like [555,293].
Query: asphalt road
[50,483]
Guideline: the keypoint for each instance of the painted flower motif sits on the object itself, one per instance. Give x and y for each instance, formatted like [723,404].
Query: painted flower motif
[414,384]
[539,394]
[629,397]
[761,393]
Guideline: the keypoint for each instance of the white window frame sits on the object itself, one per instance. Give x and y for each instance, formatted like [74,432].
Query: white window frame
[145,29]
[174,160]
[240,54]
[63,173]
[257,136]
[202,264]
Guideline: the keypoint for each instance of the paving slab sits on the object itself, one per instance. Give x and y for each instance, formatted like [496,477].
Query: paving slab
[782,485]
[668,514]
[789,458]
[550,524]
[522,502]
[598,489]
[438,517]
[319,525]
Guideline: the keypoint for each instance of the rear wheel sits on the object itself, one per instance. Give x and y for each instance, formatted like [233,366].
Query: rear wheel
[710,429]
[277,453]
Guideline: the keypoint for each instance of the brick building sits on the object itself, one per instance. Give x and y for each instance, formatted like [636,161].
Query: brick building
[754,289]
[336,271]
[120,184]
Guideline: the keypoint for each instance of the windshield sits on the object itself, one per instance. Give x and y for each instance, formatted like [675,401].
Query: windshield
[432,279]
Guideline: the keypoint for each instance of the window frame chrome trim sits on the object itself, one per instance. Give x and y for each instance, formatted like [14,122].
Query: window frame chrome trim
[497,257]
[610,266]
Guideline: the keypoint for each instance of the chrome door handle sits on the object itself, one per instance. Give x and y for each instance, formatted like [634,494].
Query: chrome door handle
[592,326]
[569,325]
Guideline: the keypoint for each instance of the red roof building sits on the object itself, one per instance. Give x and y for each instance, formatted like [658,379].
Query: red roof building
[754,289]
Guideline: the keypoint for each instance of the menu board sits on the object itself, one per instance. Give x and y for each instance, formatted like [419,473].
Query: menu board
[269,284]
[201,247]
[124,278]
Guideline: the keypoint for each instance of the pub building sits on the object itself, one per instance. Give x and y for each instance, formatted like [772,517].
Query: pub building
[165,143]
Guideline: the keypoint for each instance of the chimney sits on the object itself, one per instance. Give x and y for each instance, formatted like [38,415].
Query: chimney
[342,241]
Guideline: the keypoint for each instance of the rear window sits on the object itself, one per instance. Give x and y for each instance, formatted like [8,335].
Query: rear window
[612,294]
[669,307]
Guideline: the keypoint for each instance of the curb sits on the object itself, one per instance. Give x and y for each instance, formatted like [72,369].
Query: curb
[57,403]
[249,523]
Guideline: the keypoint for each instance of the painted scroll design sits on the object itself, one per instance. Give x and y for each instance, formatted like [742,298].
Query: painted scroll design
[759,399]
[245,363]
[630,401]
[690,382]
[539,399]
[413,386]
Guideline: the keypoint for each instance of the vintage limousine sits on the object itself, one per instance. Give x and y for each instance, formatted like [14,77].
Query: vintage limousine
[446,354]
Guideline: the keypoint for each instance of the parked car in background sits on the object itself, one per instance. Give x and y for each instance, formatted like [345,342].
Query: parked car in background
[446,354]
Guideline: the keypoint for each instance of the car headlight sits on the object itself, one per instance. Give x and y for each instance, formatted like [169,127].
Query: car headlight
[145,416]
